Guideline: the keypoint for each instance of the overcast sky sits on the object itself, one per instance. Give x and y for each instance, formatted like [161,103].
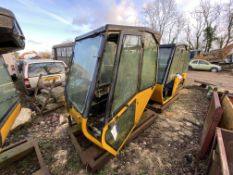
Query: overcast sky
[49,22]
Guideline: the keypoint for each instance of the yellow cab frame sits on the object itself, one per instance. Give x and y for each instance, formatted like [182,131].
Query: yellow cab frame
[125,56]
[11,39]
[172,73]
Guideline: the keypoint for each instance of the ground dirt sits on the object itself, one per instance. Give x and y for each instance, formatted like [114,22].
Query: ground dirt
[223,80]
[169,146]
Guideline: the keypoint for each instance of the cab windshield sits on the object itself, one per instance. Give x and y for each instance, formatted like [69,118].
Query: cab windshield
[164,58]
[7,91]
[82,70]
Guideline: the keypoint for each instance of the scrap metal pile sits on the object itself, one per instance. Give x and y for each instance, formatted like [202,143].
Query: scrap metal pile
[217,135]
[48,96]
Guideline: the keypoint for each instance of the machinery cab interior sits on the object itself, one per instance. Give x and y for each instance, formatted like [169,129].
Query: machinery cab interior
[11,39]
[172,68]
[111,79]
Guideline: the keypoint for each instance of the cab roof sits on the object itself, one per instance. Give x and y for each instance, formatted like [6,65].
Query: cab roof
[113,27]
[69,44]
[6,12]
[173,45]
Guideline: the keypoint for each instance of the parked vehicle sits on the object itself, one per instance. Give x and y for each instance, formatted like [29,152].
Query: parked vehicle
[198,64]
[10,62]
[172,68]
[48,69]
[63,52]
[108,87]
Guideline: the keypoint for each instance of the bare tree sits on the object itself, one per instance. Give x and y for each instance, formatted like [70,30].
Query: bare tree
[210,14]
[176,28]
[197,27]
[188,35]
[229,22]
[163,16]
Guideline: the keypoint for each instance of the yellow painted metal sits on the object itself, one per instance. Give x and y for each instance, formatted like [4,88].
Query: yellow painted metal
[82,121]
[5,129]
[157,95]
[50,78]
[141,99]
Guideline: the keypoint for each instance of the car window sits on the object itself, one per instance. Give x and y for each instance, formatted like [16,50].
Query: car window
[194,62]
[49,68]
[202,62]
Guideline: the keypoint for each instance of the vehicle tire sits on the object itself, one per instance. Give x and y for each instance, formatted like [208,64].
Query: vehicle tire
[190,68]
[214,69]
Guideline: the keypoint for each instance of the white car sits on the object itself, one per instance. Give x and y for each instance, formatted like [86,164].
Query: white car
[48,69]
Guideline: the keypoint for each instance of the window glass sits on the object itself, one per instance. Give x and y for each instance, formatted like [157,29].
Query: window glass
[195,62]
[16,28]
[123,126]
[7,91]
[127,78]
[59,52]
[203,62]
[179,64]
[49,68]
[164,58]
[82,70]
[63,52]
[69,51]
[148,76]
[105,76]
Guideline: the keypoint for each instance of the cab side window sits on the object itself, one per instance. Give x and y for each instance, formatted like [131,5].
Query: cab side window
[149,64]
[127,78]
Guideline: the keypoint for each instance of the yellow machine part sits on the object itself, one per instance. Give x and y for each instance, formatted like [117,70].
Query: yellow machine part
[141,98]
[157,95]
[5,129]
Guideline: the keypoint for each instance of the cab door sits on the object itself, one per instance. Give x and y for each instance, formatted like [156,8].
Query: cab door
[122,104]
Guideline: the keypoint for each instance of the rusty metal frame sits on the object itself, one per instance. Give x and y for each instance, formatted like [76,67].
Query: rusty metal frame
[212,120]
[21,149]
[159,108]
[221,158]
[94,157]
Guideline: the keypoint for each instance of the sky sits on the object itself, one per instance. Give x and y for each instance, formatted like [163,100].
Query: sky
[49,22]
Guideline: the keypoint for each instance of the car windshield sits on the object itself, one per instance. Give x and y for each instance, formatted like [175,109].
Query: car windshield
[164,57]
[46,68]
[7,91]
[82,70]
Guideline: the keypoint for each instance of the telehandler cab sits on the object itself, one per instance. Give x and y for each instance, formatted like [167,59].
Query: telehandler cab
[111,79]
[172,67]
[12,39]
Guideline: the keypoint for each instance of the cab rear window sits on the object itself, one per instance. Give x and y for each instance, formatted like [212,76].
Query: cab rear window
[50,68]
